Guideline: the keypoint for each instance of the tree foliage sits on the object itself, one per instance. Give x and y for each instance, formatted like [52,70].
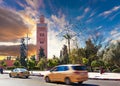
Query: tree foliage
[76,56]
[64,55]
[41,53]
[91,51]
[30,64]
[3,63]
[42,63]
[17,63]
[97,63]
[32,58]
[23,53]
[53,62]
[85,61]
[112,54]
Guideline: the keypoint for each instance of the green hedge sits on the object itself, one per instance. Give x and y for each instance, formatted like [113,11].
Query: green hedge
[116,70]
[10,68]
[35,68]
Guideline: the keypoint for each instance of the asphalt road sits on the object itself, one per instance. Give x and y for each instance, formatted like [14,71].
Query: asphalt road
[39,81]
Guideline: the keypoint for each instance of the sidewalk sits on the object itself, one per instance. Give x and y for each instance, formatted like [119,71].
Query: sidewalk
[92,75]
[104,76]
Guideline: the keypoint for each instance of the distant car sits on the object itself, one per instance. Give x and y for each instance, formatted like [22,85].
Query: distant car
[68,74]
[19,72]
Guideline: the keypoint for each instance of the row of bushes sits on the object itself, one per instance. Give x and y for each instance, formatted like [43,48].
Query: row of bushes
[11,68]
[37,68]
[97,69]
[116,70]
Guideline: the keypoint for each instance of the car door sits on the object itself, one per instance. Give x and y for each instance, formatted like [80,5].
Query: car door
[52,74]
[61,74]
[14,72]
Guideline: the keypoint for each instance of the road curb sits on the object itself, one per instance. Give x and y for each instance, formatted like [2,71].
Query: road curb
[104,79]
[41,75]
[5,73]
[37,75]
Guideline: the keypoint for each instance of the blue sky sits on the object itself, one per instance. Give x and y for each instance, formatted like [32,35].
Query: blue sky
[93,17]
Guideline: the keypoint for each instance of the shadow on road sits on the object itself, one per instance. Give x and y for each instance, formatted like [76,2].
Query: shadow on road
[76,84]
[84,85]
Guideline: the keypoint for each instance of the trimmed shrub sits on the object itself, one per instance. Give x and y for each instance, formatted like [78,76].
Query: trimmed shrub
[116,70]
[10,68]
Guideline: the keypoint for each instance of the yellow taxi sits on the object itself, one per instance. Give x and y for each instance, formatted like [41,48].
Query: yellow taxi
[19,72]
[70,73]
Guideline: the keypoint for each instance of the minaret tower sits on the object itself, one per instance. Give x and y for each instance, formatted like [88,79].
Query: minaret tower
[41,36]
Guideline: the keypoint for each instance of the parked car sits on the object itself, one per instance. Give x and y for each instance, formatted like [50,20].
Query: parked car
[67,73]
[19,72]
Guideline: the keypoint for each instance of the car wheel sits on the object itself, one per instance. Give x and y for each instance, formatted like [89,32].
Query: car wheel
[10,75]
[17,76]
[47,79]
[67,81]
[80,82]
[26,76]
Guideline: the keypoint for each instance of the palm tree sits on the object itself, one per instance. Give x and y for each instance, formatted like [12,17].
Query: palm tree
[68,37]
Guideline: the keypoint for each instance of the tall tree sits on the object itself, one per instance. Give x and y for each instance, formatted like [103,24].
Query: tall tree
[65,57]
[112,54]
[42,64]
[23,52]
[76,56]
[41,53]
[91,52]
[68,37]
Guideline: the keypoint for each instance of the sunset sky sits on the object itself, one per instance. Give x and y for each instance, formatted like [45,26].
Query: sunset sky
[94,17]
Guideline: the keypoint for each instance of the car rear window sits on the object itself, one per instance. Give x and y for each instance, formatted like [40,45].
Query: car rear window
[79,68]
[23,70]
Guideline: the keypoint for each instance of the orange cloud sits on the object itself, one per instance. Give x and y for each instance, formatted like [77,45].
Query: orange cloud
[14,50]
[12,26]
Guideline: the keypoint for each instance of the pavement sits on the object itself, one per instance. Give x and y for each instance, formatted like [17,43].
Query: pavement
[92,75]
[104,76]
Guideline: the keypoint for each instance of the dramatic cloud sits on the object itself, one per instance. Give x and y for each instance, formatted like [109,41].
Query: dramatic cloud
[55,43]
[80,17]
[99,27]
[1,1]
[114,35]
[15,50]
[12,26]
[89,20]
[59,23]
[86,10]
[108,12]
[113,32]
[35,4]
[92,14]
